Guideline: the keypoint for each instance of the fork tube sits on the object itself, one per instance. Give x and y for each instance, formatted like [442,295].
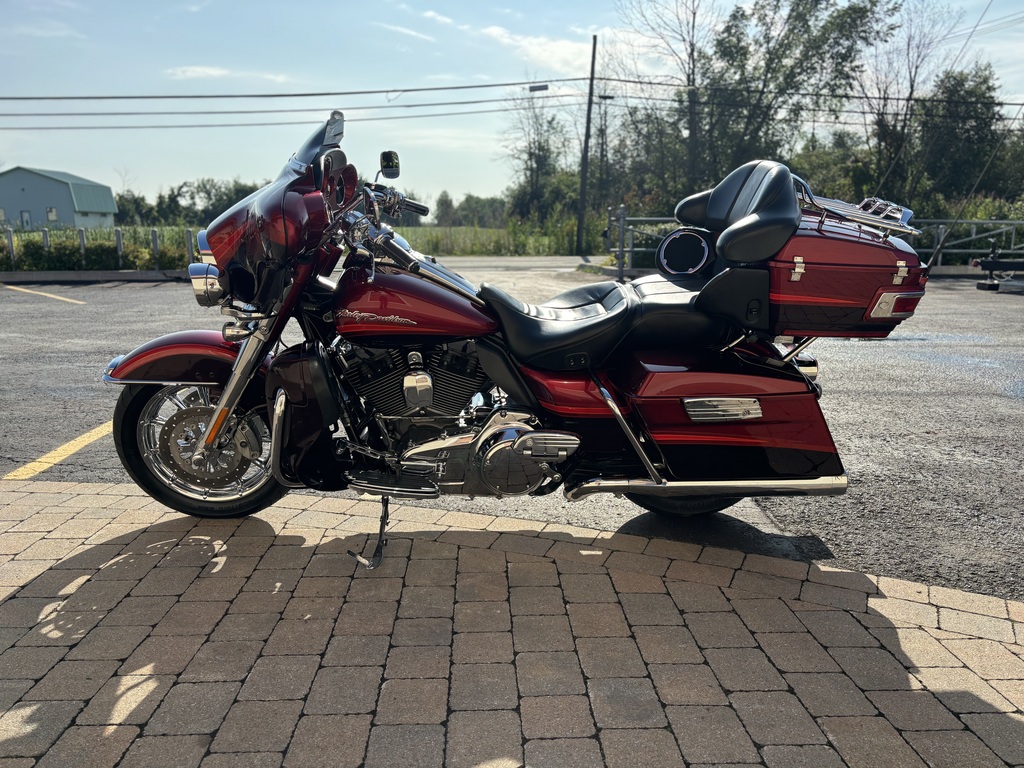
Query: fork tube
[251,353]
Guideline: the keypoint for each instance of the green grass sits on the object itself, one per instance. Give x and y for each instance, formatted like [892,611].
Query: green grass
[518,239]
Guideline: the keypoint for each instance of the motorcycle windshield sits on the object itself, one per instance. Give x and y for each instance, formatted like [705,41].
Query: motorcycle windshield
[328,135]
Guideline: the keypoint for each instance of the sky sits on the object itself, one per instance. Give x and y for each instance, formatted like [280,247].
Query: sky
[269,50]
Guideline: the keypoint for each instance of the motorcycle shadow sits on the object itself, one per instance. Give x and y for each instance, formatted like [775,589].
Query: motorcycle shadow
[264,635]
[739,529]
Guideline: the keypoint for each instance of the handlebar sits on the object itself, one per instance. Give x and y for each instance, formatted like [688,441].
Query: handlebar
[398,254]
[394,202]
[413,207]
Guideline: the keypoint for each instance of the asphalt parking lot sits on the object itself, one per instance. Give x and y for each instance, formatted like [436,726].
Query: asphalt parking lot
[929,424]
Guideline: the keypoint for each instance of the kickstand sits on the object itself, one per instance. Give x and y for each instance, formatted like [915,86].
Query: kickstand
[378,551]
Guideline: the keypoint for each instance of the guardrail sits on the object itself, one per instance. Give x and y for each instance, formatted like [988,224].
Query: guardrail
[631,236]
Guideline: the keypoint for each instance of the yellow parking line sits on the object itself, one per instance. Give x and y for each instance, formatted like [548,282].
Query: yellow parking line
[40,293]
[58,455]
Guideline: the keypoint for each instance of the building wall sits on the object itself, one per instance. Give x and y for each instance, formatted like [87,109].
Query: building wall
[22,190]
[94,220]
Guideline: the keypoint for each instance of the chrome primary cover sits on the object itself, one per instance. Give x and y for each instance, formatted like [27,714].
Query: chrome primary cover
[504,471]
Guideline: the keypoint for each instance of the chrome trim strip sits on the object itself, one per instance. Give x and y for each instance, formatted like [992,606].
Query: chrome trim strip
[718,409]
[818,486]
[108,379]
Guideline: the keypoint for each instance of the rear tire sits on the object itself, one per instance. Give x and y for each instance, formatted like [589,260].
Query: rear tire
[155,432]
[683,506]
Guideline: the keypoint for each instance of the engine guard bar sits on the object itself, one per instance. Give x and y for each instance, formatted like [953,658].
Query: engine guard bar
[817,486]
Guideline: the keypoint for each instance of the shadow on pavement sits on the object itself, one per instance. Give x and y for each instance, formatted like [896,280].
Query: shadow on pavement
[187,643]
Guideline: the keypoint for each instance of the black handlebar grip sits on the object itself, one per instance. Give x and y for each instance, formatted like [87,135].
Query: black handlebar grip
[399,255]
[413,207]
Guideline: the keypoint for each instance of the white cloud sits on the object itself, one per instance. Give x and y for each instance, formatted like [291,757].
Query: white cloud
[45,29]
[438,17]
[220,73]
[567,57]
[404,31]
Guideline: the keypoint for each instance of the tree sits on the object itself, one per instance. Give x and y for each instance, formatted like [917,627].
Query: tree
[897,72]
[486,212]
[134,210]
[539,148]
[960,130]
[773,63]
[444,210]
[678,32]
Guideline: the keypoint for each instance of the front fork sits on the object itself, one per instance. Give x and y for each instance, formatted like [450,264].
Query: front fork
[252,352]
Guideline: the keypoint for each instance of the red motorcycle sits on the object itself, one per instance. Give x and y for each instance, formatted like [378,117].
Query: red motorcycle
[684,391]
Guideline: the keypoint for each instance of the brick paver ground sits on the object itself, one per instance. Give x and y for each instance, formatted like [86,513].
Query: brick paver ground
[134,636]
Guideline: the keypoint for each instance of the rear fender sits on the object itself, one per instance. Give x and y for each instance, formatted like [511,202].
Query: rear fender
[185,357]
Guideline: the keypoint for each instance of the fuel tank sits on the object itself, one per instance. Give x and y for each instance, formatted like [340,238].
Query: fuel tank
[399,307]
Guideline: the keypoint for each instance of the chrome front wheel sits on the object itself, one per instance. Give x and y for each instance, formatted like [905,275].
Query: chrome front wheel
[157,430]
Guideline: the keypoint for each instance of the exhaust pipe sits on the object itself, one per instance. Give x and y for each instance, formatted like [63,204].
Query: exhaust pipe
[818,486]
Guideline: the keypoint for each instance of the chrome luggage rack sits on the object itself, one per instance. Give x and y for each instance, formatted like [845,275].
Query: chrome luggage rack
[872,212]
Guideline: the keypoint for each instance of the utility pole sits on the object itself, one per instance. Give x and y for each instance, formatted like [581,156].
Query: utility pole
[584,162]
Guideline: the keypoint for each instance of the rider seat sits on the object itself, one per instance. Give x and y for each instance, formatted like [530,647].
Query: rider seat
[581,328]
[575,329]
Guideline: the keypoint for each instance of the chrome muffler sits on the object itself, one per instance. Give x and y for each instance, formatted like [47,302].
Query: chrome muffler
[817,486]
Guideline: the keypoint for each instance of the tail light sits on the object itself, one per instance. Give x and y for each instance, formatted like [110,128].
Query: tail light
[895,306]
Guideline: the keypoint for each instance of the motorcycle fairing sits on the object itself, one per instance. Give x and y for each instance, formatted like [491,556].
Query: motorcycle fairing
[311,413]
[185,357]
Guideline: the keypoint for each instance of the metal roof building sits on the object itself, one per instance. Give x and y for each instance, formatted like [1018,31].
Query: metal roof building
[33,198]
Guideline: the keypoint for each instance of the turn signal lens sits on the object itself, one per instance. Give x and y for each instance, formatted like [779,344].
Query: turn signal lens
[904,306]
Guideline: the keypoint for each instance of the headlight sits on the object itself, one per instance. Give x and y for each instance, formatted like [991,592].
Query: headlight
[206,284]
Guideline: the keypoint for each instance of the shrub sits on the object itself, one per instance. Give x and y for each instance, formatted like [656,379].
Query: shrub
[59,257]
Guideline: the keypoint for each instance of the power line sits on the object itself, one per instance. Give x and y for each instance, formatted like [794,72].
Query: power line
[839,96]
[996,25]
[316,94]
[250,125]
[167,113]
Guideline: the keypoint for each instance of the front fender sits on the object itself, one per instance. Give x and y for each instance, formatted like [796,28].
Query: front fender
[185,357]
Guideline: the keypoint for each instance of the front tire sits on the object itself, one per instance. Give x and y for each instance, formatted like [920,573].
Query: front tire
[683,506]
[156,429]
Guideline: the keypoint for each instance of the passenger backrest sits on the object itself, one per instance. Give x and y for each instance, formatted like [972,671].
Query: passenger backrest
[754,209]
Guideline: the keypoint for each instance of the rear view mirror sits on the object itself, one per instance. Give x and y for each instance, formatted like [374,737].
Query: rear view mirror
[389,164]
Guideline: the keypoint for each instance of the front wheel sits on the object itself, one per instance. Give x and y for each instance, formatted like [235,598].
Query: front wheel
[683,506]
[156,432]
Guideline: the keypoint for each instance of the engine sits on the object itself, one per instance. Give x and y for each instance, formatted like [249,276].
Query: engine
[507,457]
[424,398]
[434,381]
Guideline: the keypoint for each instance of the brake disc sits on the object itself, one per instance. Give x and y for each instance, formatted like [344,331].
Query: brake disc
[179,438]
